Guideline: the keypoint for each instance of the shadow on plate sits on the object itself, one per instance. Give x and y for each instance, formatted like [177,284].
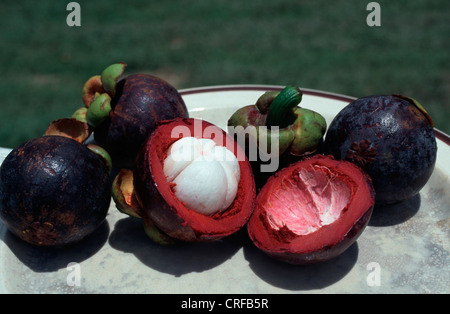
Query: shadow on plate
[42,259]
[300,277]
[390,215]
[178,259]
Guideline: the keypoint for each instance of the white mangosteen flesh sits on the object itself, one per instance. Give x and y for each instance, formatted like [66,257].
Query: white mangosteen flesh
[205,175]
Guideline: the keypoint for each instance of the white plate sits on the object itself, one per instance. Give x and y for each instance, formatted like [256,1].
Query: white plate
[403,250]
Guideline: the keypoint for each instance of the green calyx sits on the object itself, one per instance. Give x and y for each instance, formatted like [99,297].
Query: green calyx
[103,154]
[80,114]
[126,202]
[123,193]
[276,122]
[97,94]
[308,129]
[99,110]
[156,235]
[263,103]
[104,83]
[110,76]
[281,110]
[302,137]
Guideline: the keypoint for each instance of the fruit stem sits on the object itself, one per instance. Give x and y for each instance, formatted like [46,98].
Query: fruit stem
[281,111]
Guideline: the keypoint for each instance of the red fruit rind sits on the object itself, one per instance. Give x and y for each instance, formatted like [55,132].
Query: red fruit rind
[161,206]
[321,242]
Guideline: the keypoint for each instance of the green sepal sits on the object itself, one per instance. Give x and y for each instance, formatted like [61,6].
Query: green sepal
[110,76]
[156,235]
[99,110]
[80,114]
[308,129]
[103,154]
[298,131]
[122,193]
[281,138]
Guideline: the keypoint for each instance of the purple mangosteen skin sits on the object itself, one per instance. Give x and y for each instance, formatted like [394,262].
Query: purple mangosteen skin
[391,139]
[140,102]
[53,191]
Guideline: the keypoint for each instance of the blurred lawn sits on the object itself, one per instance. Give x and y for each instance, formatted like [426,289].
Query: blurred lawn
[314,44]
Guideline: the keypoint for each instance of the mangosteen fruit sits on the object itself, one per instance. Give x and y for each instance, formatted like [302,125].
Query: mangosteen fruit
[389,137]
[192,182]
[54,191]
[312,210]
[281,131]
[124,113]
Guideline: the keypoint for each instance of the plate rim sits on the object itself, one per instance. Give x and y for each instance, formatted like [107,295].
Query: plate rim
[444,137]
[262,87]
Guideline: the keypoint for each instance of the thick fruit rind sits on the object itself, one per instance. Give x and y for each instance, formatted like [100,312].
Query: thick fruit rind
[330,240]
[327,252]
[159,203]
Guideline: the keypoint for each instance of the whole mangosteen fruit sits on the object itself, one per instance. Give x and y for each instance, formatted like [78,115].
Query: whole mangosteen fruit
[312,210]
[192,182]
[389,137]
[276,131]
[54,191]
[124,113]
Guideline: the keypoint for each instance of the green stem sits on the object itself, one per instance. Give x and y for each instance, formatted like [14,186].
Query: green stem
[281,110]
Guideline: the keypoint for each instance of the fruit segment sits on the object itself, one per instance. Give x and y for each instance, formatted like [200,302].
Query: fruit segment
[205,175]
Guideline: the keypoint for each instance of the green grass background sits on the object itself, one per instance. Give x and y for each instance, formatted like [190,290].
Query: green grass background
[318,44]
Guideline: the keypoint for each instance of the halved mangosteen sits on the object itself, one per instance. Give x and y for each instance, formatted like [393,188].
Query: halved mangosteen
[193,181]
[312,211]
[54,191]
